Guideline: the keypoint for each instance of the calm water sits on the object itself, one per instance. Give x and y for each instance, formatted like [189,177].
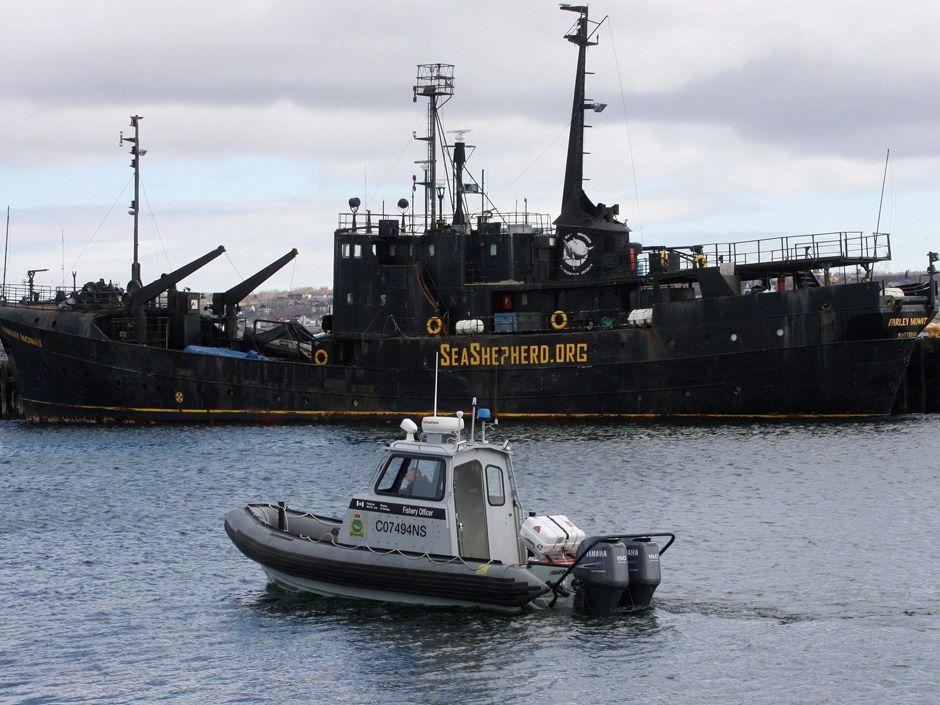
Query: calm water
[807,570]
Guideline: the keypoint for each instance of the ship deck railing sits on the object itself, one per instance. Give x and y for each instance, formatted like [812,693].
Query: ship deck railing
[784,253]
[394,224]
[36,296]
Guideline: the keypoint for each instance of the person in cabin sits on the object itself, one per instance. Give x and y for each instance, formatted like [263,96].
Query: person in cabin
[417,484]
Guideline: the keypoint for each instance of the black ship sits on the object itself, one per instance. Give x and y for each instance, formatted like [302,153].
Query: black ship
[570,318]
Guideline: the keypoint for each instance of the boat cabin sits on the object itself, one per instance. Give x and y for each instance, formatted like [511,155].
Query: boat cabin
[441,495]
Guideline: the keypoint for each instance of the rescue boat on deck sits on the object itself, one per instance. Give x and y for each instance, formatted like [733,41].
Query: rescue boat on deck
[441,524]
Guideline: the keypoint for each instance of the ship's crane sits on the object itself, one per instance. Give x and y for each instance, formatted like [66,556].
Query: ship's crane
[225,303]
[31,275]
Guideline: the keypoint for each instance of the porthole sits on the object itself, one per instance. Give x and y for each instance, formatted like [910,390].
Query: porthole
[355,402]
[671,343]
[639,397]
[687,393]
[780,332]
[736,391]
[734,337]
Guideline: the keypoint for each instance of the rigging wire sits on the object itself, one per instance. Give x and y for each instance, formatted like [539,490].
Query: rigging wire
[156,227]
[448,168]
[239,274]
[241,278]
[623,102]
[389,172]
[290,287]
[80,254]
[884,180]
[535,161]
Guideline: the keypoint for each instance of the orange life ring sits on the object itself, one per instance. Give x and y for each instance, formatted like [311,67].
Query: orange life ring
[321,357]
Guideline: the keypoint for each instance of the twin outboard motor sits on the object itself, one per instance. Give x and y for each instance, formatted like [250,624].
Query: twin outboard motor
[643,559]
[615,574]
[601,576]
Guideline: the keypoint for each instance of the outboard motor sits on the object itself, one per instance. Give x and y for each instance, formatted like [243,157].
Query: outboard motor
[643,559]
[602,576]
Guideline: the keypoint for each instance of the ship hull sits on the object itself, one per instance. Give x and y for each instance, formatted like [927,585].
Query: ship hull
[677,369]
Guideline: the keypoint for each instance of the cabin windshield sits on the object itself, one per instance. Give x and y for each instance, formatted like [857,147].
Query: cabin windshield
[413,477]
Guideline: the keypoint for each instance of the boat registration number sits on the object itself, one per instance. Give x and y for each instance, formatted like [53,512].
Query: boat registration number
[400,527]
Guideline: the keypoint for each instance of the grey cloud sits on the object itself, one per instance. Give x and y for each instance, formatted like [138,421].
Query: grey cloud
[824,109]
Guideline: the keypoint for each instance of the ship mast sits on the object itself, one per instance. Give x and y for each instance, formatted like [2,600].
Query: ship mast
[574,168]
[434,81]
[137,153]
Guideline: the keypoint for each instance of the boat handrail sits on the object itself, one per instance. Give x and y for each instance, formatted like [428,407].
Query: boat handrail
[22,295]
[584,551]
[415,224]
[809,251]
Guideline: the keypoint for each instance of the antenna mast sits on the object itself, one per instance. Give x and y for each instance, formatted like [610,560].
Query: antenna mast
[6,242]
[881,200]
[435,384]
[136,153]
[434,81]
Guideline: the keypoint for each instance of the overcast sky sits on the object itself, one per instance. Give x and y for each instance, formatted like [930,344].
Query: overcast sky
[727,120]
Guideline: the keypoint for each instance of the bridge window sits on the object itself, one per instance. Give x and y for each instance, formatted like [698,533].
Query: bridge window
[417,478]
[344,250]
[495,492]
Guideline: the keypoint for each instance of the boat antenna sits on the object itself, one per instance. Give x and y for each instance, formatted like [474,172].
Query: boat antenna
[6,242]
[883,179]
[484,415]
[136,154]
[473,419]
[435,383]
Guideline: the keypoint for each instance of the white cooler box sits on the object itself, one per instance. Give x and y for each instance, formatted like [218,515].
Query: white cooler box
[551,535]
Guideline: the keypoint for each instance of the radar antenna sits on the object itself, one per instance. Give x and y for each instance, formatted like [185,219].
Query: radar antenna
[434,81]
